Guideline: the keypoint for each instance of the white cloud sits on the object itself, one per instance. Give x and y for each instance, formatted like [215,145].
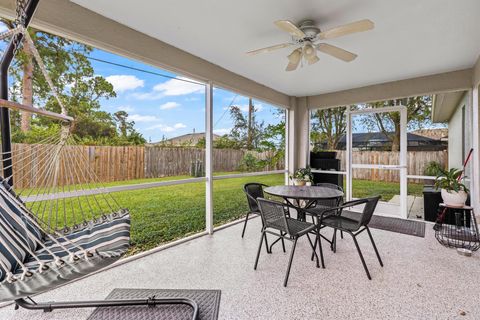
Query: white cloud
[222,131]
[123,83]
[175,87]
[172,87]
[165,128]
[126,108]
[142,118]
[3,27]
[179,125]
[169,105]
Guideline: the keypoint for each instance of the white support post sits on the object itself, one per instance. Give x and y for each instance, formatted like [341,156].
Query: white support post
[287,146]
[348,155]
[209,157]
[403,163]
[475,192]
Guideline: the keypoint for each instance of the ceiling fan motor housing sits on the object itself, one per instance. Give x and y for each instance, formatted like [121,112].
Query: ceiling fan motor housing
[309,28]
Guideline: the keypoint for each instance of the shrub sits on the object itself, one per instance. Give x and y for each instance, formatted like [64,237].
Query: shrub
[433,168]
[250,163]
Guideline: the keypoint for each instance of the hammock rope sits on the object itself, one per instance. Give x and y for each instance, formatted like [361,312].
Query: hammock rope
[80,225]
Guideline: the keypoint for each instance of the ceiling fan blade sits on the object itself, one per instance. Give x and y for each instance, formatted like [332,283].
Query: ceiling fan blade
[358,26]
[269,49]
[336,52]
[294,59]
[290,27]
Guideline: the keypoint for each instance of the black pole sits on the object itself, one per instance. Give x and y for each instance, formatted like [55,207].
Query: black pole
[5,112]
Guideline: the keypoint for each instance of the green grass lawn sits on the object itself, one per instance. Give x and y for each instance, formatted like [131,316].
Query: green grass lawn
[166,213]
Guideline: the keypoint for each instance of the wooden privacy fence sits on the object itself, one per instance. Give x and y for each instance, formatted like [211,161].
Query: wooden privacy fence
[31,162]
[417,161]
[111,163]
[164,161]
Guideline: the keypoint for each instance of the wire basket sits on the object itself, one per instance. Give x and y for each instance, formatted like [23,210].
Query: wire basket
[457,227]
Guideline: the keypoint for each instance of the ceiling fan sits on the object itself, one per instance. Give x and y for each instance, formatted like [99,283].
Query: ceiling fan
[308,38]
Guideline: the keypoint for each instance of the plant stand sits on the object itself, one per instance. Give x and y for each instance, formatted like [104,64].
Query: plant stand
[456,227]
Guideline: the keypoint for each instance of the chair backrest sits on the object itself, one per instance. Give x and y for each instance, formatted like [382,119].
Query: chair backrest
[330,202]
[368,210]
[329,185]
[253,191]
[273,215]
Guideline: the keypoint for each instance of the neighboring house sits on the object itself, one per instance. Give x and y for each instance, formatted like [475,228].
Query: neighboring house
[455,108]
[436,133]
[379,141]
[186,140]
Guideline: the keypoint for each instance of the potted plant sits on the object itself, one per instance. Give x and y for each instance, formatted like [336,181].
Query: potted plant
[302,176]
[454,193]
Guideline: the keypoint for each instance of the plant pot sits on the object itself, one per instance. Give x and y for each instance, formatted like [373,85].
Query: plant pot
[299,182]
[453,198]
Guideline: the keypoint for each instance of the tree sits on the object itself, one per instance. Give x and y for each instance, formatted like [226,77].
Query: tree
[418,116]
[124,126]
[246,131]
[80,89]
[329,126]
[25,56]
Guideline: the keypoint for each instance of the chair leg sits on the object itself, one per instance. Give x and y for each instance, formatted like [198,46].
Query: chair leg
[361,256]
[283,243]
[314,250]
[320,248]
[290,262]
[259,249]
[314,247]
[341,234]
[374,246]
[245,224]
[333,245]
[266,244]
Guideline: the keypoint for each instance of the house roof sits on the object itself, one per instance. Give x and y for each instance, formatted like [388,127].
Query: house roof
[366,137]
[187,137]
[445,104]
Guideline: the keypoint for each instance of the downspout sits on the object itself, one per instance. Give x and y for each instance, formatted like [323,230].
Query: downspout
[5,112]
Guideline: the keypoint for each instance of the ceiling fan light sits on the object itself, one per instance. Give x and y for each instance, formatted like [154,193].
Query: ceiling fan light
[312,59]
[309,49]
[295,56]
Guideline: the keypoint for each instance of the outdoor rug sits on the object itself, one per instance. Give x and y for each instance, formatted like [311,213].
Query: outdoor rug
[208,304]
[410,227]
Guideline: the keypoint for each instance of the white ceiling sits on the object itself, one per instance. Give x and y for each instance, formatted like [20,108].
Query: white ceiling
[411,37]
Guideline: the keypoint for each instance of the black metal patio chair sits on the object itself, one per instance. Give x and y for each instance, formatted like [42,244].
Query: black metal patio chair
[354,224]
[253,191]
[324,204]
[277,222]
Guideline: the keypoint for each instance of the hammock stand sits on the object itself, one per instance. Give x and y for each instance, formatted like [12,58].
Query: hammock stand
[15,212]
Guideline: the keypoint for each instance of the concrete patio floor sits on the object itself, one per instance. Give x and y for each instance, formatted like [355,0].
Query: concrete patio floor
[420,280]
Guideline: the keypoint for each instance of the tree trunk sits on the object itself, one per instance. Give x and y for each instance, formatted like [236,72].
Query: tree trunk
[249,130]
[27,87]
[396,138]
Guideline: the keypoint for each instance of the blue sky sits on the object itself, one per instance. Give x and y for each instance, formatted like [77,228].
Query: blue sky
[163,107]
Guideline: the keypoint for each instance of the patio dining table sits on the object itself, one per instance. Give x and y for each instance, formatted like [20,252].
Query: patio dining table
[308,194]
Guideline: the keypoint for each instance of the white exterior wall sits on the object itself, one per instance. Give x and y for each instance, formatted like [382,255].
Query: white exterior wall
[455,132]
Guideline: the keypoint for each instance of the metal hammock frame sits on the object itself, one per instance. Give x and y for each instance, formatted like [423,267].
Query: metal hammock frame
[18,34]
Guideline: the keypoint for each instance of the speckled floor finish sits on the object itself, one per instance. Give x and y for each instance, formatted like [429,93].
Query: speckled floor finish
[420,280]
